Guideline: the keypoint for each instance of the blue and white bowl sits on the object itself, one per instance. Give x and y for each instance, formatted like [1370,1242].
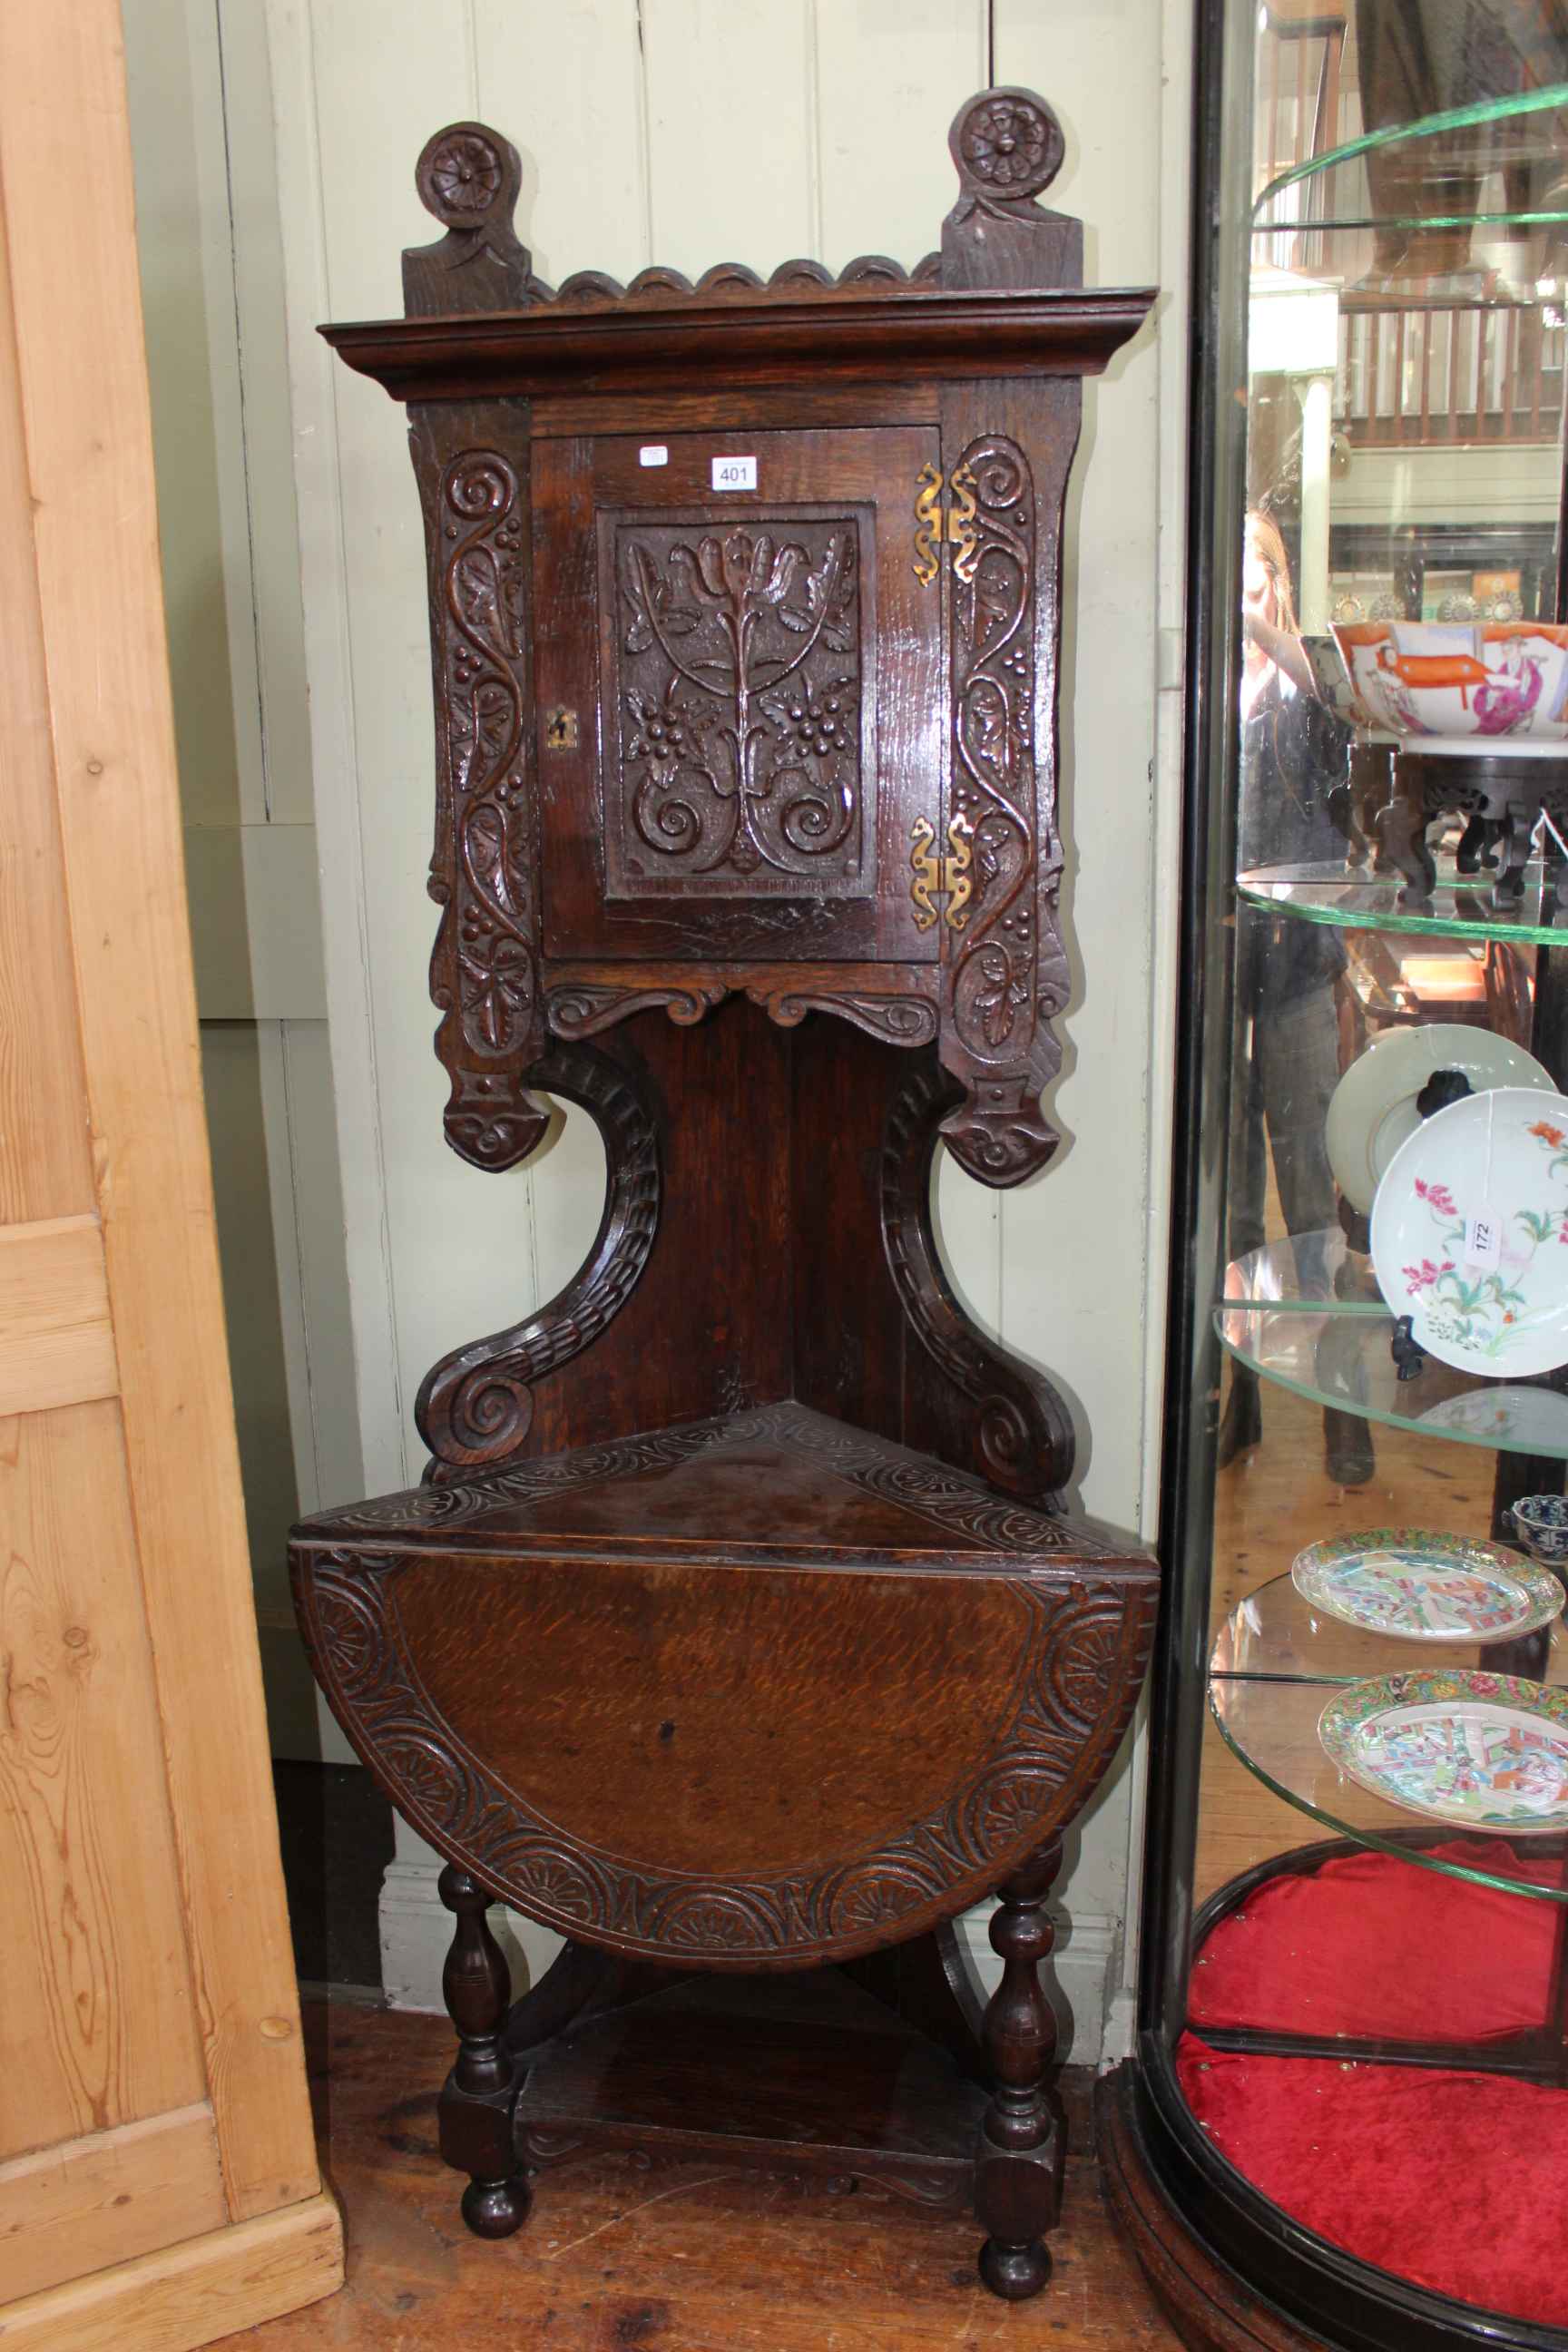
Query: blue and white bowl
[1543,1524]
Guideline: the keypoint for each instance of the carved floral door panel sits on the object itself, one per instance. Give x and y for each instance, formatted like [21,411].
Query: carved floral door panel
[740,694]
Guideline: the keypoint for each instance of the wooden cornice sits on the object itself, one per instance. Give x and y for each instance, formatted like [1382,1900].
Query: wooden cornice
[901,333]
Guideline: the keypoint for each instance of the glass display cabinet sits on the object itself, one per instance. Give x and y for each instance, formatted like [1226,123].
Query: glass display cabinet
[1346,2121]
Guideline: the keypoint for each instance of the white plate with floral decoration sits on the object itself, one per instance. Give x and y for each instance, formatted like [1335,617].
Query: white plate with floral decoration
[1421,1586]
[1470,1233]
[1483,1751]
[1530,1421]
[1373,1110]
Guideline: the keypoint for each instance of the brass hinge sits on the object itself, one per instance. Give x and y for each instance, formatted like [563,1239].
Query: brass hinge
[946,878]
[954,527]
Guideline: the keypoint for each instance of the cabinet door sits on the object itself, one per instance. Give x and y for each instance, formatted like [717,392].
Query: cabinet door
[740,694]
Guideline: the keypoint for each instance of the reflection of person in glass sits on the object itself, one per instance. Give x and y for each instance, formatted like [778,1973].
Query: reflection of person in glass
[1293,753]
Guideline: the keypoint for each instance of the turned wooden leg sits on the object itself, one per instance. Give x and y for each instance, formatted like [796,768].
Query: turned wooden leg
[1018,2175]
[480,2093]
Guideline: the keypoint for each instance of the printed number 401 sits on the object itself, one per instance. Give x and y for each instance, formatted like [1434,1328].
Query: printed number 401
[734,473]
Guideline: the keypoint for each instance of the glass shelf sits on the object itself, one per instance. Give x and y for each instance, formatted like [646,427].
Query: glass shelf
[1271,1728]
[1308,1274]
[1459,906]
[1276,1636]
[1528,130]
[1343,1360]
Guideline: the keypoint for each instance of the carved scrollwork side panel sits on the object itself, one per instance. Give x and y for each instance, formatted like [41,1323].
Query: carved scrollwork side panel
[484,871]
[1074,1683]
[1004,971]
[475,1406]
[1019,1428]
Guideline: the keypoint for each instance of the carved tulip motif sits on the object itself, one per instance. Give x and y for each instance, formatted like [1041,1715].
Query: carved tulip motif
[740,741]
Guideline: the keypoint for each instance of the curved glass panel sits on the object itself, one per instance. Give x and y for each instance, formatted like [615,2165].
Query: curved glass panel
[1383,740]
[1272,1729]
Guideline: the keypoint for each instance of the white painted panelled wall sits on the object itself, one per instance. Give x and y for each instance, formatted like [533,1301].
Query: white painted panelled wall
[689,131]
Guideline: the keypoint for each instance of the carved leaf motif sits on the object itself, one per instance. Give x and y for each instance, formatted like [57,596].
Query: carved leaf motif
[740,748]
[483,974]
[996,1042]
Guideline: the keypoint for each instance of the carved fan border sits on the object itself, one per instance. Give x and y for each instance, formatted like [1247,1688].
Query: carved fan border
[1082,1650]
[951,1499]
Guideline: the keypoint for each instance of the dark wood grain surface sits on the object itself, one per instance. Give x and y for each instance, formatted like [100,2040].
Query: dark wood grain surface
[775,1690]
[737,1626]
[895,335]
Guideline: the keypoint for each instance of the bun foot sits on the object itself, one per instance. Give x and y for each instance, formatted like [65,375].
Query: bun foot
[494,2208]
[1015,2272]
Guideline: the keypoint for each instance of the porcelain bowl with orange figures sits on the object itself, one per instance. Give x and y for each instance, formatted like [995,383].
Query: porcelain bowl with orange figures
[1463,686]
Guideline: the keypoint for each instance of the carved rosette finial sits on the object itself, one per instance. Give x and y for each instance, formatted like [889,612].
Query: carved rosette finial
[1007,145]
[468,176]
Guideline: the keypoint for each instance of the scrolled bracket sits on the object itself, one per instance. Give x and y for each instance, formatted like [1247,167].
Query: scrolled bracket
[477,1404]
[1023,1435]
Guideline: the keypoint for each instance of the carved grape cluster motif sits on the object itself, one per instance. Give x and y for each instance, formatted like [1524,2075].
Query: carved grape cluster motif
[739,696]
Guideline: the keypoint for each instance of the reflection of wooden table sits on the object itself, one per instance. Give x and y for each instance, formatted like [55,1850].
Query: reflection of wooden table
[1500,799]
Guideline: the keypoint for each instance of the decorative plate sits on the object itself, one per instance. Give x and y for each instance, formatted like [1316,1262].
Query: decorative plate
[1483,1751]
[1422,1586]
[1530,1421]
[1470,1233]
[1373,1110]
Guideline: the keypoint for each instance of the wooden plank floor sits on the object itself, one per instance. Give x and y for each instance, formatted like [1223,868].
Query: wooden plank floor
[689,2259]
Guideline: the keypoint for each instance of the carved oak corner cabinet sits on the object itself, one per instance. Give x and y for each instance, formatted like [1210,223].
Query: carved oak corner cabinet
[737,1629]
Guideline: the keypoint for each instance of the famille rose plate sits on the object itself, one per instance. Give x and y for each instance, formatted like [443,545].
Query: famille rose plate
[1470,1233]
[1371,1111]
[1483,1751]
[1423,1587]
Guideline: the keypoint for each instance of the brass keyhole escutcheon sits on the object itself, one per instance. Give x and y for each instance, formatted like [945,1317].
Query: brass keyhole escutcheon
[560,731]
